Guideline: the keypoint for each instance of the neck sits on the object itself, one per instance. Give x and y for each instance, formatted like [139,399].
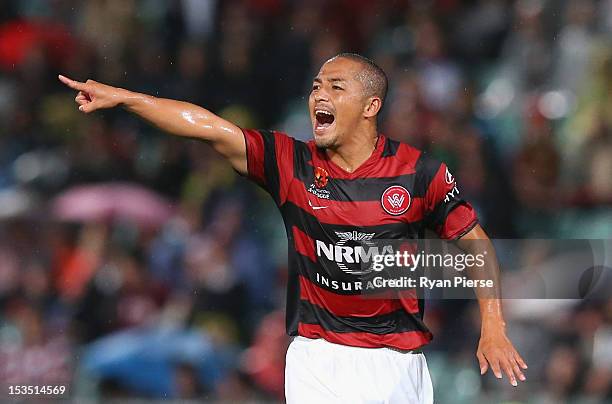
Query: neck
[355,150]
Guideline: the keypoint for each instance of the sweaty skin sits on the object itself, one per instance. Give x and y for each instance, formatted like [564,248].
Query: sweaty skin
[175,117]
[349,141]
[351,138]
[494,348]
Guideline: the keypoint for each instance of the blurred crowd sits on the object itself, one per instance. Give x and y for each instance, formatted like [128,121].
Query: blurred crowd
[514,95]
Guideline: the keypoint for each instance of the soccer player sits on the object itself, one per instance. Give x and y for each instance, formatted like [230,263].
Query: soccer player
[347,185]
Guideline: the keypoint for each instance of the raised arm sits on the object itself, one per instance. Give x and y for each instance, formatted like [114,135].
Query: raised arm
[175,117]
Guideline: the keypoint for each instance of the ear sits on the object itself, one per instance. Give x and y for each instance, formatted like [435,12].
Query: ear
[372,107]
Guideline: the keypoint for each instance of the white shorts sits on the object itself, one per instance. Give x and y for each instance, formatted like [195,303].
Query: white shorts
[319,371]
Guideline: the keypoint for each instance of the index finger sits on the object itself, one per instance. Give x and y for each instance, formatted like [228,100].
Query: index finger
[77,85]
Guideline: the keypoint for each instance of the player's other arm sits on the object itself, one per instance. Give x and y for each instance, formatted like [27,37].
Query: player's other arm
[454,219]
[175,117]
[495,348]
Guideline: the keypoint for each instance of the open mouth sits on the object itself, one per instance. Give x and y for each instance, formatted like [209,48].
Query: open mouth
[324,119]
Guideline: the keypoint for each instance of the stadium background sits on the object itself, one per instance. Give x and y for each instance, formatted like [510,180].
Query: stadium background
[181,304]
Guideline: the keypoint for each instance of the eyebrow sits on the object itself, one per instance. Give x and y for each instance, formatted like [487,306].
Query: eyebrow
[334,80]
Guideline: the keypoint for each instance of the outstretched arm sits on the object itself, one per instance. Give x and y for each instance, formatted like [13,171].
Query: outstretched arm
[494,348]
[175,117]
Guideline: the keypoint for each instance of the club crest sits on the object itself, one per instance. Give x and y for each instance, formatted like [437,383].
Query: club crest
[395,200]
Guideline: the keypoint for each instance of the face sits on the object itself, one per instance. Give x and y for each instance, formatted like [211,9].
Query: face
[336,102]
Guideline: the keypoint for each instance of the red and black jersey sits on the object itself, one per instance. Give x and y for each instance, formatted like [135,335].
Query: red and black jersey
[396,194]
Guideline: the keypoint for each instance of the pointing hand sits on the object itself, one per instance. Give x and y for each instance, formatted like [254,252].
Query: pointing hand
[92,95]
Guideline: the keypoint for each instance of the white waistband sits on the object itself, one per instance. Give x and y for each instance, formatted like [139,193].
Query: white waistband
[323,342]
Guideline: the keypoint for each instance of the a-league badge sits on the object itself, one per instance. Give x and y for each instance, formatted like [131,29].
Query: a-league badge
[320,177]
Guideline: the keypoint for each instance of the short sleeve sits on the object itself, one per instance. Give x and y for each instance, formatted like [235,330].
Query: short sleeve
[446,212]
[269,161]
